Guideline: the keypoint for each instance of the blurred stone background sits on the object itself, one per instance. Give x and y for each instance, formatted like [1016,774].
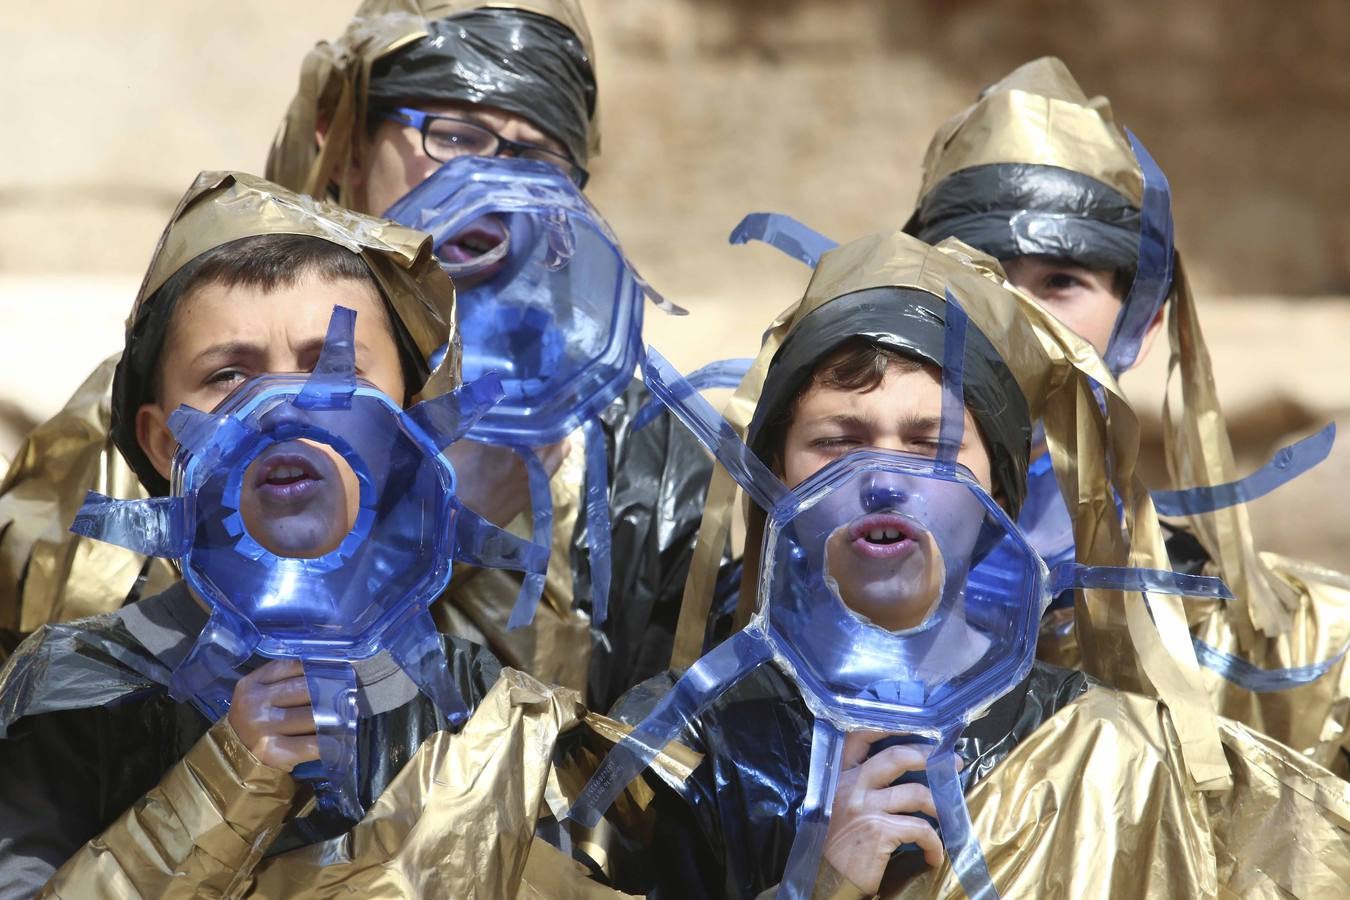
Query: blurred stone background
[710,109]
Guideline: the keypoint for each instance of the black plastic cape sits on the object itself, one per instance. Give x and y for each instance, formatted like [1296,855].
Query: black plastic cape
[658,480]
[1017,209]
[514,60]
[728,830]
[87,728]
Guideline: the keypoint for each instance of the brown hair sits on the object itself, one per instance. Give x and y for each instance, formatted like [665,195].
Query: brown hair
[858,365]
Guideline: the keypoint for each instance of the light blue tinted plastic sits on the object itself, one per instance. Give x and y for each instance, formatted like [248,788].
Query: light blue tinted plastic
[1286,465]
[558,317]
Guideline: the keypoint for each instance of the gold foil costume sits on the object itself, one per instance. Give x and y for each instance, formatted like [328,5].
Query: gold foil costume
[458,821]
[1288,613]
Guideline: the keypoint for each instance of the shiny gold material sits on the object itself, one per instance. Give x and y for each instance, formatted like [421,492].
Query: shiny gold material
[1288,613]
[1095,804]
[334,78]
[457,821]
[1040,116]
[1142,647]
[49,575]
[198,833]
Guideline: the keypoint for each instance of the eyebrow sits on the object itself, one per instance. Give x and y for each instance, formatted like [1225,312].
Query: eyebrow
[851,420]
[227,349]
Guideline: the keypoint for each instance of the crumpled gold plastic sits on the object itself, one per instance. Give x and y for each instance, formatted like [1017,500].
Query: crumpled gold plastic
[1134,645]
[1095,804]
[334,79]
[49,575]
[1287,613]
[458,821]
[1037,115]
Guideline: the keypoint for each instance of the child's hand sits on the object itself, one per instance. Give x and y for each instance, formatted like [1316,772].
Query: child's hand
[272,715]
[867,819]
[492,480]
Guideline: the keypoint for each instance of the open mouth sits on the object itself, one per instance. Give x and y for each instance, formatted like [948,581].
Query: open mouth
[290,475]
[479,239]
[883,536]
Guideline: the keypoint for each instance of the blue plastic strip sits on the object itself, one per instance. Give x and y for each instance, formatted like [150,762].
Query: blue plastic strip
[702,683]
[206,676]
[813,819]
[714,432]
[1286,465]
[420,650]
[562,240]
[333,381]
[597,517]
[541,512]
[447,418]
[153,527]
[332,694]
[783,233]
[1070,575]
[952,430]
[203,435]
[480,543]
[723,373]
[1153,276]
[958,835]
[1257,680]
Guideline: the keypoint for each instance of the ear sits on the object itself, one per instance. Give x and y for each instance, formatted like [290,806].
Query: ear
[156,440]
[355,173]
[1149,336]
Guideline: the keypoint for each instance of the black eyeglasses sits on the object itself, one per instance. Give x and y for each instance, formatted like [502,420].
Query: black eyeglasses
[447,137]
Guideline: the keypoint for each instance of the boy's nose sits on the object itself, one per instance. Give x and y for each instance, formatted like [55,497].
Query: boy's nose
[882,490]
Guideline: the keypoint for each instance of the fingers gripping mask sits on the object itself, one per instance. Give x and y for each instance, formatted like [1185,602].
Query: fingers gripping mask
[865,601]
[318,521]
[548,302]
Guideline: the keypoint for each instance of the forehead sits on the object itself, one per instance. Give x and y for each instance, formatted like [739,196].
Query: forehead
[905,391]
[213,310]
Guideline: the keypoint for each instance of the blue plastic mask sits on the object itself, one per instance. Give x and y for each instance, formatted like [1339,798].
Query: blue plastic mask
[867,601]
[370,592]
[548,301]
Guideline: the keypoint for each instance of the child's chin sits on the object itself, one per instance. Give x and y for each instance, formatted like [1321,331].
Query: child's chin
[305,541]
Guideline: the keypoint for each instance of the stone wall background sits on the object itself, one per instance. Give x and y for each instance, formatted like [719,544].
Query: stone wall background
[710,109]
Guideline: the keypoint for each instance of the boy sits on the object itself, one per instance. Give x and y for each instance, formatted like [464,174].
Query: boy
[858,367]
[108,786]
[1061,211]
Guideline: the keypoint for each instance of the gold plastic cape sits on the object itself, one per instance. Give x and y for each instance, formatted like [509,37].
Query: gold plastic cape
[457,821]
[1095,804]
[334,79]
[49,575]
[1288,613]
[1143,647]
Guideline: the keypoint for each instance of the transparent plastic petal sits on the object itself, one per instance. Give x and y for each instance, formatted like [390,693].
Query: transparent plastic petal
[783,233]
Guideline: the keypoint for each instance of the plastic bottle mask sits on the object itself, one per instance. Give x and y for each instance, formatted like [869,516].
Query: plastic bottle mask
[291,435]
